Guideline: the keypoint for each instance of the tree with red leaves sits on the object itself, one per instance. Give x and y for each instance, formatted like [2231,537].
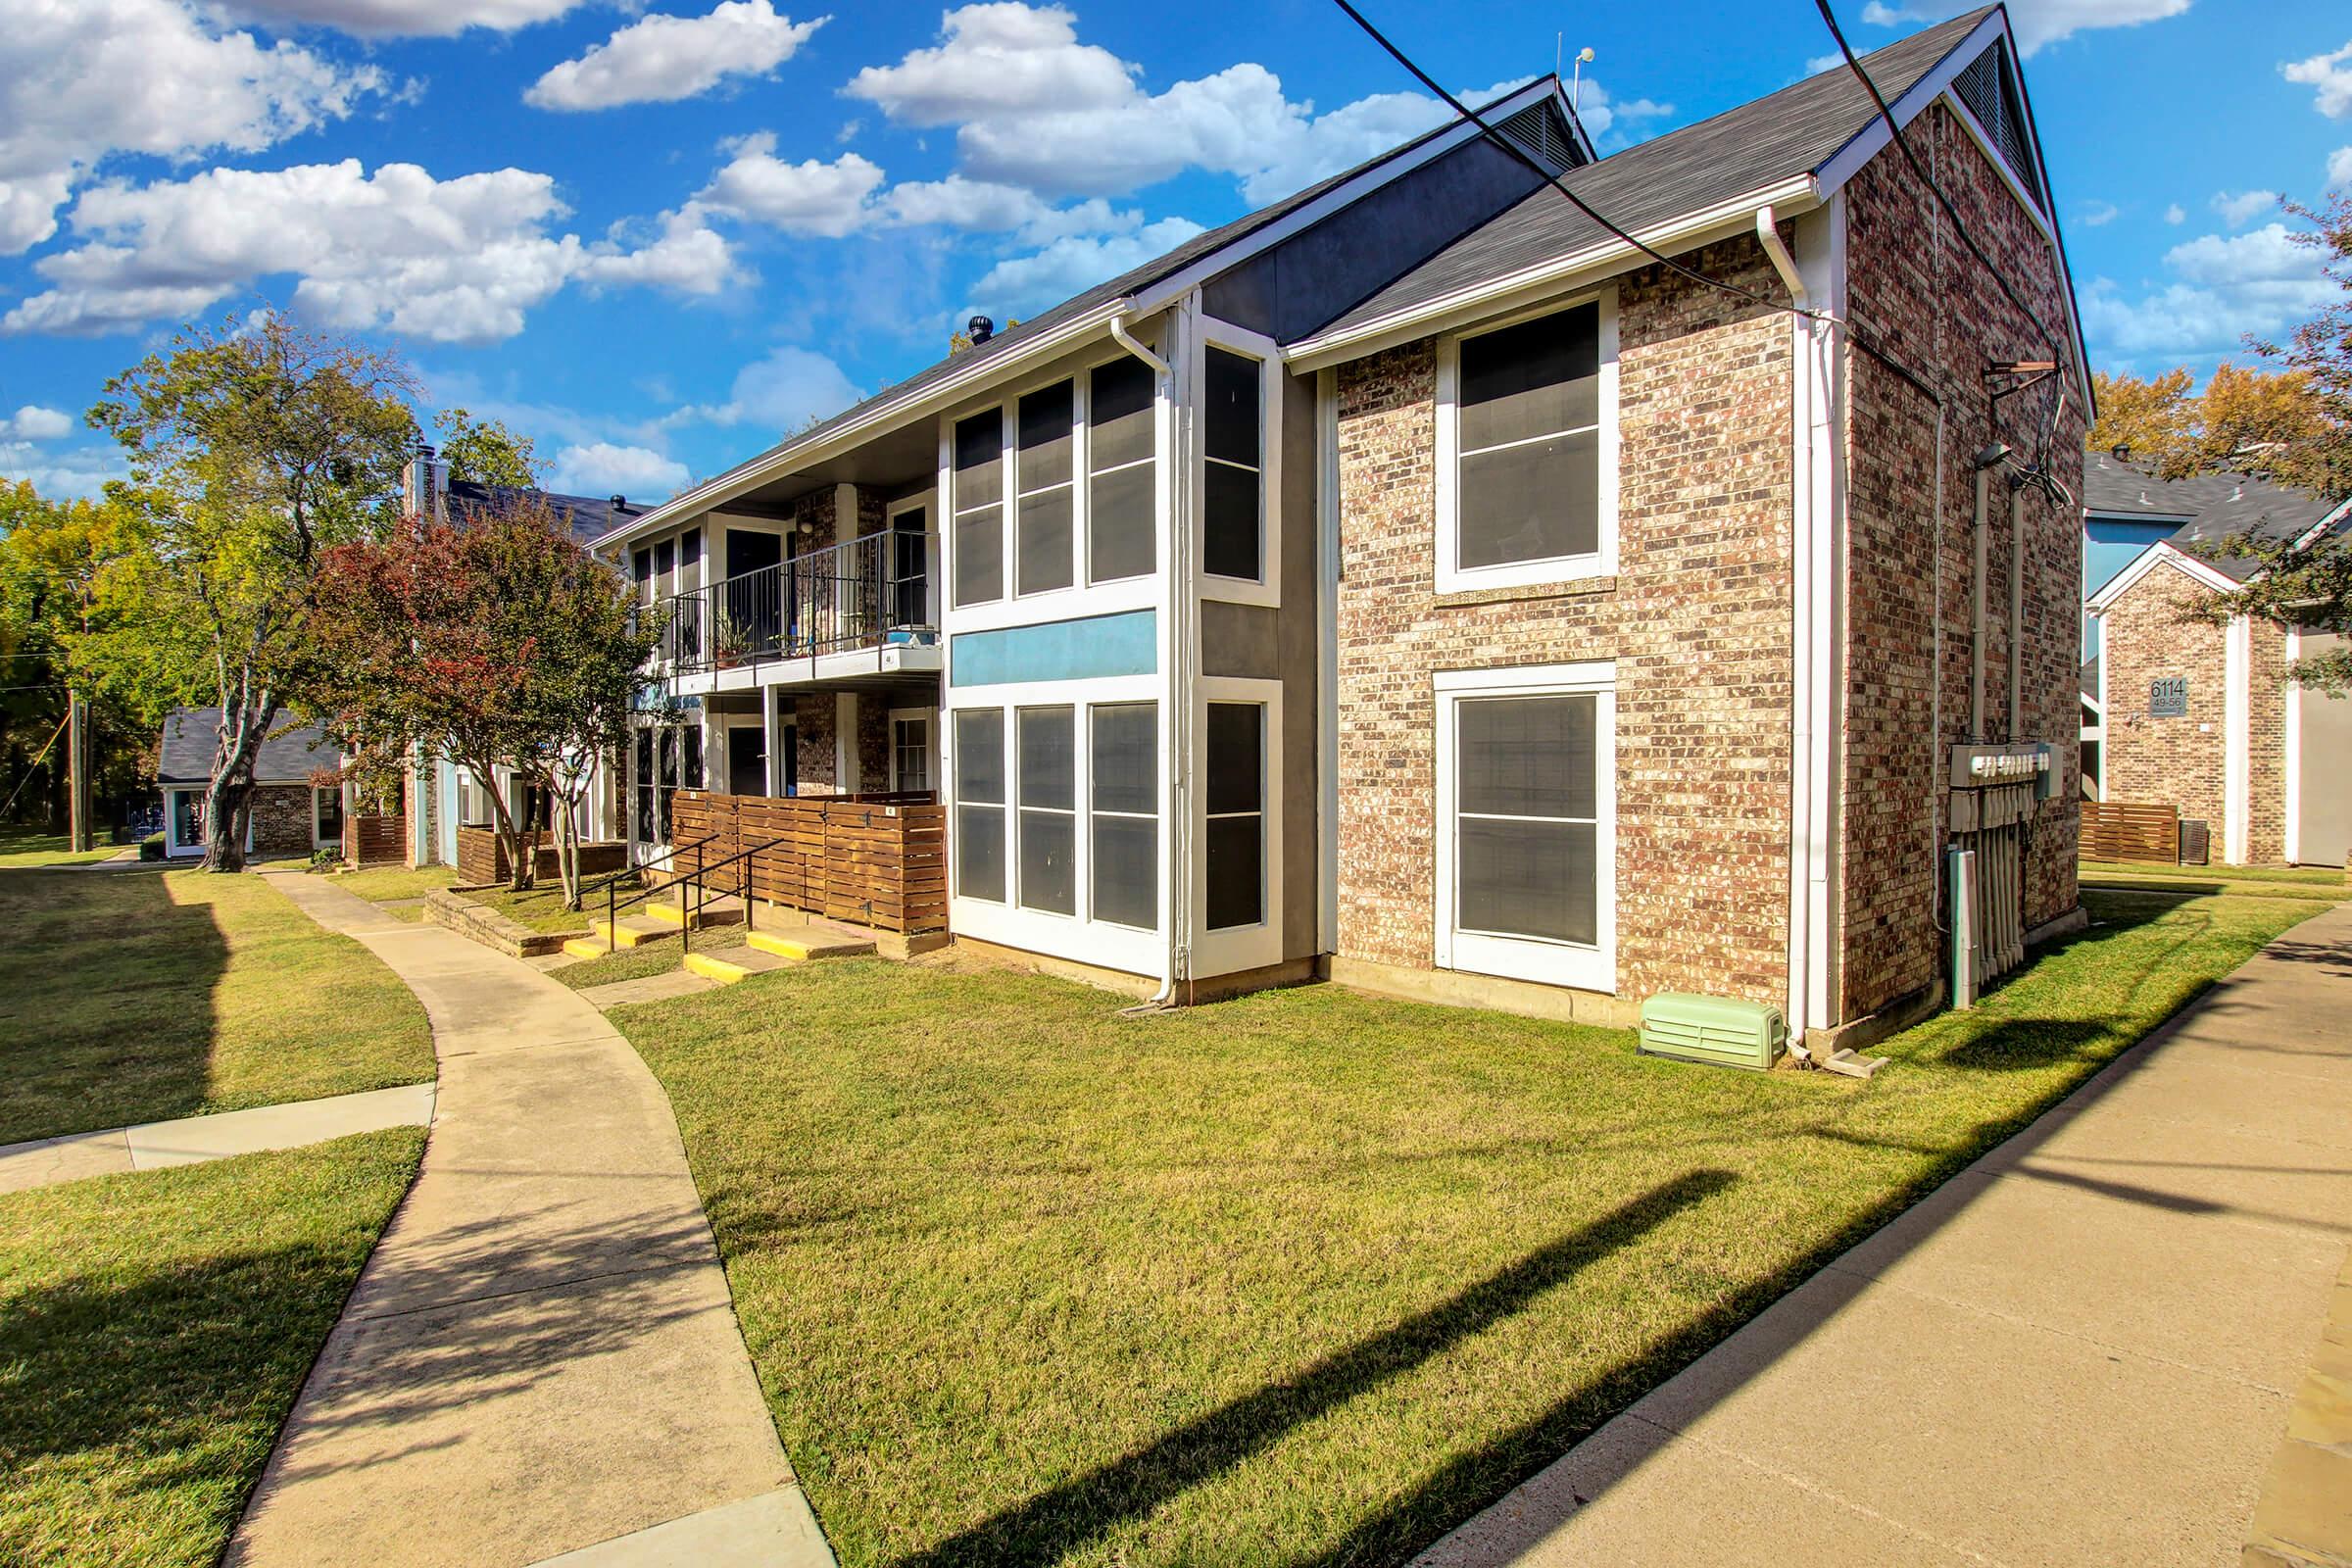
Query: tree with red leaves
[495,639]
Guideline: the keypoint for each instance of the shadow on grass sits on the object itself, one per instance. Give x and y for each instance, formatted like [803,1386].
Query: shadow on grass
[106,1000]
[1054,1523]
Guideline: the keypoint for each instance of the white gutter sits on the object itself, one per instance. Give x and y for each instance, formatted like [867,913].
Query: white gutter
[1591,264]
[928,399]
[1118,335]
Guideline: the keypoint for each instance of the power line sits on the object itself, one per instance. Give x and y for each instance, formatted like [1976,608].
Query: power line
[1887,113]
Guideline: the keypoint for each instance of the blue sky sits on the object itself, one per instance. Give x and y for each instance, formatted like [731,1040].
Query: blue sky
[654,236]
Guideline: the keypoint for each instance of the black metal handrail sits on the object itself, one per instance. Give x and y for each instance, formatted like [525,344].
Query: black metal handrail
[689,912]
[614,905]
[862,593]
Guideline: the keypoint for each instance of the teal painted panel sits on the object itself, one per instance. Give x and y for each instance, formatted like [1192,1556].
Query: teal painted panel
[1093,649]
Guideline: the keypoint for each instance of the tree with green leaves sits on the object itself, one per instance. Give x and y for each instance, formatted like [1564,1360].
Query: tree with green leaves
[493,637]
[485,452]
[254,447]
[2307,582]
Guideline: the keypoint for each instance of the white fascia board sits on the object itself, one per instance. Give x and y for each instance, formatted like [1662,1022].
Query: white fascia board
[2160,554]
[920,402]
[1577,270]
[1875,137]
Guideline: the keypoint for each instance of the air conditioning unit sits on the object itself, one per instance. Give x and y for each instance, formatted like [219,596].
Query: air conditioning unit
[1713,1029]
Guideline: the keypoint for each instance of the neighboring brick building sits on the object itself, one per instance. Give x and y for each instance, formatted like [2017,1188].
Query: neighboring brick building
[1416,584]
[2198,714]
[290,813]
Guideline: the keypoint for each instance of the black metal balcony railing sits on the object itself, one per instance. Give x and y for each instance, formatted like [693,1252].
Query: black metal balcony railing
[864,593]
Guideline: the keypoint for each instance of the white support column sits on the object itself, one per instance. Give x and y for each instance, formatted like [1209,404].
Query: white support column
[2292,695]
[771,738]
[2237,712]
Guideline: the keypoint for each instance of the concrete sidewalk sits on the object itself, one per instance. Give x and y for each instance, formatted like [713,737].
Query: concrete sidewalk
[541,1355]
[2083,1349]
[191,1139]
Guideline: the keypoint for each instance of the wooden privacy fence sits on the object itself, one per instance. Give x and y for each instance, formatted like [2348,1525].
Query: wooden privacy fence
[482,859]
[2131,830]
[875,860]
[375,840]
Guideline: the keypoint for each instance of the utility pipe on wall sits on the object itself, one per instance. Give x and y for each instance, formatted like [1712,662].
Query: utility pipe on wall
[1976,612]
[2017,610]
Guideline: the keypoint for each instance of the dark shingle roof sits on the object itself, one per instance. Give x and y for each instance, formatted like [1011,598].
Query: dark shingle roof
[590,515]
[1792,131]
[2218,506]
[190,735]
[1775,137]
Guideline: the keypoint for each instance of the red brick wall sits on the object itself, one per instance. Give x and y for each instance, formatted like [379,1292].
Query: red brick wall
[813,723]
[2179,763]
[2267,697]
[1920,297]
[281,819]
[1697,620]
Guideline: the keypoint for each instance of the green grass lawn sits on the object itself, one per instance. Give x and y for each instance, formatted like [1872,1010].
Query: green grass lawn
[154,1330]
[19,850]
[2258,881]
[626,963]
[379,884]
[1306,1278]
[541,909]
[130,996]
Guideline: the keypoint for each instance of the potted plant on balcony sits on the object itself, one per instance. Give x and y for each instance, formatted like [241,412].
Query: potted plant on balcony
[730,642]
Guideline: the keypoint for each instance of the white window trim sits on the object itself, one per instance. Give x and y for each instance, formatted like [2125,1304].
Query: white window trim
[171,841]
[1080,937]
[1084,597]
[1559,964]
[929,719]
[1600,562]
[927,503]
[1266,590]
[318,838]
[1234,948]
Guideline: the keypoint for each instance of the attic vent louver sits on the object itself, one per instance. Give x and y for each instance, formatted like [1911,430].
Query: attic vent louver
[1543,134]
[1990,94]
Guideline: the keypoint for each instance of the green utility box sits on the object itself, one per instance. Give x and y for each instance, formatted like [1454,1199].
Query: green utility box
[1715,1029]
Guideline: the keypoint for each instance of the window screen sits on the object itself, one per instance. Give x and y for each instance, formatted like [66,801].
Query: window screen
[1232,480]
[979,530]
[1042,545]
[1049,810]
[1526,816]
[1121,444]
[1234,764]
[980,804]
[1528,477]
[1125,817]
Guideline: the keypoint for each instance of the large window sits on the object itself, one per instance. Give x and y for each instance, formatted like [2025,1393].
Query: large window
[980,804]
[979,502]
[1121,496]
[1232,470]
[1049,814]
[1234,762]
[668,758]
[1524,797]
[1526,488]
[1124,820]
[1047,510]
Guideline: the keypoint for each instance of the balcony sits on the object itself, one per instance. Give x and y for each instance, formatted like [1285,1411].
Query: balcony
[862,607]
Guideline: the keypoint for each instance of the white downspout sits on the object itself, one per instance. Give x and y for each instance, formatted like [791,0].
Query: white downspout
[1801,533]
[1175,906]
[2017,614]
[1119,336]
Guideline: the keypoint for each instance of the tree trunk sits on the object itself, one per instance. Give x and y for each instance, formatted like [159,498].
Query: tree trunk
[229,798]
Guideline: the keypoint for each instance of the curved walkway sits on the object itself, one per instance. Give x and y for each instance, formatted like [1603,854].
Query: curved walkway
[2080,1349]
[541,1356]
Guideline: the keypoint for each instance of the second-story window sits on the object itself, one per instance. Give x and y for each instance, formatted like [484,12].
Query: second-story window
[1121,500]
[1233,477]
[1048,506]
[1522,485]
[979,503]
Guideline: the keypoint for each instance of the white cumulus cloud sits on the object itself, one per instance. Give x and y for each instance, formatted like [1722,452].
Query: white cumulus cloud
[2037,22]
[2221,288]
[811,197]
[661,59]
[457,261]
[32,423]
[2331,74]
[1023,286]
[433,19]
[2340,169]
[2176,213]
[78,471]
[781,391]
[2099,215]
[608,468]
[2241,207]
[82,80]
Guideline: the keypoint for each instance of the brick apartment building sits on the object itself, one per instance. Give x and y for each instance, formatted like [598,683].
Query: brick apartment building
[2197,714]
[1415,584]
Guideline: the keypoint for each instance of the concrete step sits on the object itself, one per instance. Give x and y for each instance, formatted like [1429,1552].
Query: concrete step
[713,912]
[727,966]
[802,943]
[630,931]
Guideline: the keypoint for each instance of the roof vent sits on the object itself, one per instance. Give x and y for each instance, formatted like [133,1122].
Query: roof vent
[979,329]
[2123,451]
[1987,89]
[1541,132]
[620,502]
